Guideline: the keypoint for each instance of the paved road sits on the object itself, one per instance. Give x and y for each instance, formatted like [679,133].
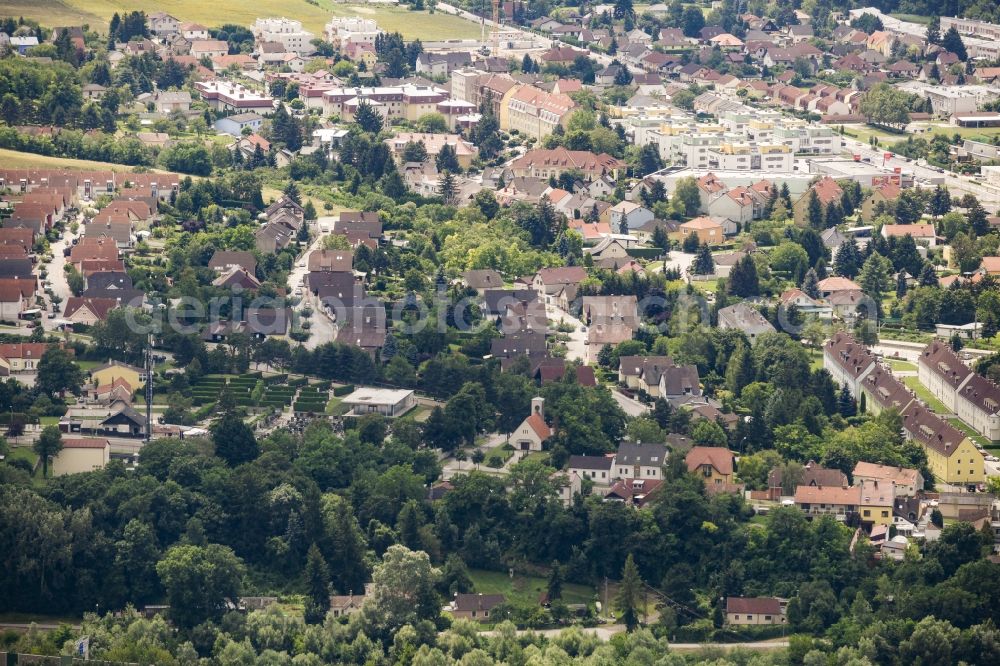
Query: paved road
[322,329]
[954,182]
[630,406]
[56,275]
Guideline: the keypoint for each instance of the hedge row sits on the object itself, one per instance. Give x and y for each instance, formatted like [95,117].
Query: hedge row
[343,390]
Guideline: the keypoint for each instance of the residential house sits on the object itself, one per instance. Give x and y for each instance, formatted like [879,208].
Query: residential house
[812,475]
[836,501]
[827,191]
[745,318]
[714,464]
[708,231]
[880,391]
[88,311]
[604,333]
[633,492]
[483,280]
[16,357]
[551,281]
[596,468]
[639,461]
[847,361]
[922,233]
[905,482]
[743,611]
[112,371]
[13,301]
[973,398]
[832,285]
[236,123]
[225,260]
[474,606]
[876,502]
[632,214]
[951,455]
[881,194]
[610,309]
[545,164]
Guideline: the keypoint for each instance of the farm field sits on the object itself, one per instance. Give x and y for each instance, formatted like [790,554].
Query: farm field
[412,25]
[12,159]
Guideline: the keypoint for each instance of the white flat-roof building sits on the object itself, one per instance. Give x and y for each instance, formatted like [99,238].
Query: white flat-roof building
[387,402]
[342,31]
[797,181]
[224,95]
[285,31]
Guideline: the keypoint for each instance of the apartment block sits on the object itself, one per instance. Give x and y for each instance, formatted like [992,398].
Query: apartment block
[286,32]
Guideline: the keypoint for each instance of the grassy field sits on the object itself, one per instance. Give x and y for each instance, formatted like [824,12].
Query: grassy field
[912,18]
[412,25]
[24,453]
[936,405]
[526,589]
[14,160]
[904,366]
[973,435]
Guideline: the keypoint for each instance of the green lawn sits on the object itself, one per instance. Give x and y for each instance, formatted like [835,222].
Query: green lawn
[87,366]
[48,420]
[314,16]
[817,359]
[904,366]
[496,457]
[912,18]
[24,453]
[973,435]
[526,589]
[936,405]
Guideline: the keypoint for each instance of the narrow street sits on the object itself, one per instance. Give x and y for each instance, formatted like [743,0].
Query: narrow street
[321,327]
[56,275]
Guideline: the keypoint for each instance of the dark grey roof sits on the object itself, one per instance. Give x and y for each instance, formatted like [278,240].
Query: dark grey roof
[497,300]
[525,342]
[641,454]
[589,462]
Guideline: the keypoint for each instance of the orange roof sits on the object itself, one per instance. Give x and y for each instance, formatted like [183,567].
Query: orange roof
[915,230]
[991,265]
[537,423]
[827,190]
[718,457]
[827,495]
[86,443]
[701,223]
[838,283]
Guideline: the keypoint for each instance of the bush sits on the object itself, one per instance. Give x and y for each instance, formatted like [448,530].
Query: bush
[343,390]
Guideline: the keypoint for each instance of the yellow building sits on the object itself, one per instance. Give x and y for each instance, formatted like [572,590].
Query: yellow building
[79,455]
[951,456]
[876,502]
[112,370]
[714,464]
